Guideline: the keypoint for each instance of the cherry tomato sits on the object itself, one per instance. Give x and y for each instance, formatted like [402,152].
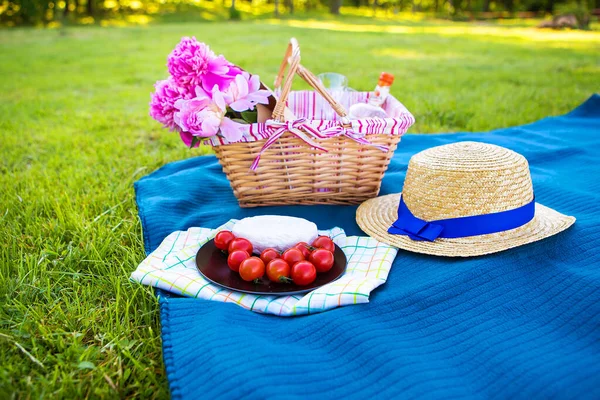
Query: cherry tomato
[304,248]
[240,244]
[292,256]
[278,270]
[222,239]
[322,259]
[269,254]
[304,273]
[324,242]
[252,268]
[235,258]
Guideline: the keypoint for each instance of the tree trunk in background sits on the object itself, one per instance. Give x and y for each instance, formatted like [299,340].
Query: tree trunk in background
[436,5]
[66,9]
[456,6]
[550,6]
[486,5]
[276,8]
[45,16]
[290,6]
[90,7]
[334,6]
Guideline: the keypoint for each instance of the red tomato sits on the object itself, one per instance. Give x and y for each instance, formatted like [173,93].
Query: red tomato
[324,242]
[304,248]
[322,259]
[240,244]
[269,254]
[222,239]
[235,258]
[292,256]
[304,273]
[278,270]
[252,268]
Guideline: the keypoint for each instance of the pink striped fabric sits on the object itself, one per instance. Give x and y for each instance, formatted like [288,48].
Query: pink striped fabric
[320,115]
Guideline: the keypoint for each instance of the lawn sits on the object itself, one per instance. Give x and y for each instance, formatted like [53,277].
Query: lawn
[75,135]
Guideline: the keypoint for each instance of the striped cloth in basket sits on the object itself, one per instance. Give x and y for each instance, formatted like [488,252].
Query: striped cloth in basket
[320,115]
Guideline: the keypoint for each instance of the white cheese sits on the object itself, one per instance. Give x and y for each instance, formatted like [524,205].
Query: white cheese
[276,231]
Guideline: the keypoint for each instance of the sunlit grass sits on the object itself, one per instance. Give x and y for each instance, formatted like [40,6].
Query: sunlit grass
[403,55]
[458,29]
[384,14]
[128,20]
[75,135]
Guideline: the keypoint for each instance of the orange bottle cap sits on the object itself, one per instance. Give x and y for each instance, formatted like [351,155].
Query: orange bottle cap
[386,78]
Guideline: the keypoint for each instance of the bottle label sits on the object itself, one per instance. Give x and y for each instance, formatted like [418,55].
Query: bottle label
[379,95]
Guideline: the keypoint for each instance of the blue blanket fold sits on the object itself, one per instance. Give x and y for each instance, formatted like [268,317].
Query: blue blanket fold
[524,323]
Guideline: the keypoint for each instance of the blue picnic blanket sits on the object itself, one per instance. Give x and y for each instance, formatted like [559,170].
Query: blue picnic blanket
[524,323]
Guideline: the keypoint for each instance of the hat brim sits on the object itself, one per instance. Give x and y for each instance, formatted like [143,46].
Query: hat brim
[376,215]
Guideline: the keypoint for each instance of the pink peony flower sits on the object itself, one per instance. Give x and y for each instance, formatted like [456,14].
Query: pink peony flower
[205,117]
[187,138]
[244,93]
[162,103]
[193,64]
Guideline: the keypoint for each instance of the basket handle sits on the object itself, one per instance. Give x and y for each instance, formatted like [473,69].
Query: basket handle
[292,57]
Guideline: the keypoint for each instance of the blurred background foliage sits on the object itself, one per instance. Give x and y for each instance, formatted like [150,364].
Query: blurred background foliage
[110,12]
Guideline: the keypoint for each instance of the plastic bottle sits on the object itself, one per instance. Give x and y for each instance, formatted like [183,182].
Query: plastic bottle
[382,90]
[373,108]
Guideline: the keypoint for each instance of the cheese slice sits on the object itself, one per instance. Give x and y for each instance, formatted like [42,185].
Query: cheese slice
[276,231]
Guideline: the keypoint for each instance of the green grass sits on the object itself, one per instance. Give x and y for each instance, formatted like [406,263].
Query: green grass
[75,135]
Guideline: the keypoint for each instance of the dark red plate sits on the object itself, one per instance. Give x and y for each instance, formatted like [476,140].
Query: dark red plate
[212,264]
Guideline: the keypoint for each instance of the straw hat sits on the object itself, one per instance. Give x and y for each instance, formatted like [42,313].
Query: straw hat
[461,180]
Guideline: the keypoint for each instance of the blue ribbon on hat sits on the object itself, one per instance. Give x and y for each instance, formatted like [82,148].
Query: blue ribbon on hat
[418,229]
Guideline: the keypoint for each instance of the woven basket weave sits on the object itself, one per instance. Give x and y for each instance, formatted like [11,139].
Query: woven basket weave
[291,172]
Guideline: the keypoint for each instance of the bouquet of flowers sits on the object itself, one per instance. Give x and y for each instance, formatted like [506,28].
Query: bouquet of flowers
[205,95]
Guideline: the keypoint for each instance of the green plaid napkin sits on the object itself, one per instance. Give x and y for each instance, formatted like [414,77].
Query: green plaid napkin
[172,267]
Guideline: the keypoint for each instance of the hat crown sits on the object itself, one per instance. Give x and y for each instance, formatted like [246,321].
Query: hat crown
[464,179]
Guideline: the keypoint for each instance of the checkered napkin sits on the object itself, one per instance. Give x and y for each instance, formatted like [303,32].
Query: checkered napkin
[172,267]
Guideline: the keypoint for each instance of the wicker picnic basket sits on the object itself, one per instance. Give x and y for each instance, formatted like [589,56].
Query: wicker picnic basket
[346,168]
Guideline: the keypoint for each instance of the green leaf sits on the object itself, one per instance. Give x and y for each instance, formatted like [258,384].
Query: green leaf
[232,114]
[127,344]
[250,116]
[195,141]
[86,365]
